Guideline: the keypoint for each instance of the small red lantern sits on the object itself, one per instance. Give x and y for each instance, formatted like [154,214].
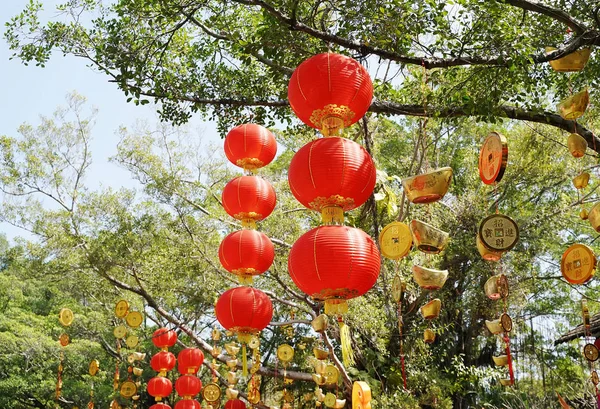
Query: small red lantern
[160,387]
[250,146]
[190,360]
[163,362]
[235,404]
[332,172]
[244,310]
[188,386]
[246,253]
[248,198]
[160,406]
[164,338]
[187,404]
[330,91]
[334,263]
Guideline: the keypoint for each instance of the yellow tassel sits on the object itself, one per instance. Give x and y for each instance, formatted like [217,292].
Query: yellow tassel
[347,353]
[244,361]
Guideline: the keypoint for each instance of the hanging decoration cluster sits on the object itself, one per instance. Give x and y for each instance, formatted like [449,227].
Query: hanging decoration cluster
[65,318]
[245,311]
[332,263]
[188,385]
[162,362]
[496,235]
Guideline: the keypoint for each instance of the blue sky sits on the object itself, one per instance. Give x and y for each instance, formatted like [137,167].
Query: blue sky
[29,91]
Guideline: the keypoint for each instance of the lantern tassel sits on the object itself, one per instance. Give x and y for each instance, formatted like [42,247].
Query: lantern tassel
[346,340]
[244,361]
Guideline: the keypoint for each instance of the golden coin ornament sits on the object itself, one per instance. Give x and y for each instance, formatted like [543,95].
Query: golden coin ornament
[506,322]
[398,287]
[64,340]
[128,389]
[331,374]
[254,342]
[395,240]
[134,319]
[493,158]
[498,233]
[595,378]
[578,264]
[132,341]
[121,308]
[361,393]
[285,353]
[94,367]
[590,351]
[65,317]
[211,392]
[120,331]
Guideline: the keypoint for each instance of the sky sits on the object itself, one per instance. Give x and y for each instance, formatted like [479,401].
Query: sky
[30,91]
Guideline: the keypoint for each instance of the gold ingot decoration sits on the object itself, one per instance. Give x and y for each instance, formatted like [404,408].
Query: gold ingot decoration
[136,356]
[121,308]
[583,214]
[138,371]
[574,106]
[395,240]
[487,254]
[320,354]
[65,317]
[431,310]
[232,363]
[496,287]
[581,181]
[232,348]
[501,360]
[216,351]
[494,326]
[594,217]
[428,187]
[320,367]
[339,403]
[319,324]
[572,62]
[577,145]
[318,379]
[505,382]
[428,278]
[231,393]
[319,394]
[427,238]
[232,378]
[216,335]
[428,336]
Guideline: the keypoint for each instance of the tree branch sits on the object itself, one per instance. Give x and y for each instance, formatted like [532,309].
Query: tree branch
[554,13]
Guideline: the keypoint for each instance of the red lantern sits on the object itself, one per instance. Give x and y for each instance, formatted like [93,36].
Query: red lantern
[164,338]
[160,406]
[160,387]
[188,386]
[332,172]
[330,91]
[190,360]
[250,146]
[248,198]
[334,263]
[163,362]
[188,404]
[246,253]
[235,404]
[244,310]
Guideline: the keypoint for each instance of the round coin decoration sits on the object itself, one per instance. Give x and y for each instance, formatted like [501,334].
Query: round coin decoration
[499,232]
[128,389]
[395,240]
[285,353]
[590,352]
[578,264]
[65,317]
[121,308]
[134,319]
[211,392]
[493,158]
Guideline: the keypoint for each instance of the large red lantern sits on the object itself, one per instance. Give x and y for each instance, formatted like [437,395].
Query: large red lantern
[246,253]
[249,199]
[188,404]
[163,362]
[190,360]
[235,404]
[188,386]
[160,406]
[164,338]
[334,263]
[332,172]
[244,310]
[330,91]
[160,387]
[250,146]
